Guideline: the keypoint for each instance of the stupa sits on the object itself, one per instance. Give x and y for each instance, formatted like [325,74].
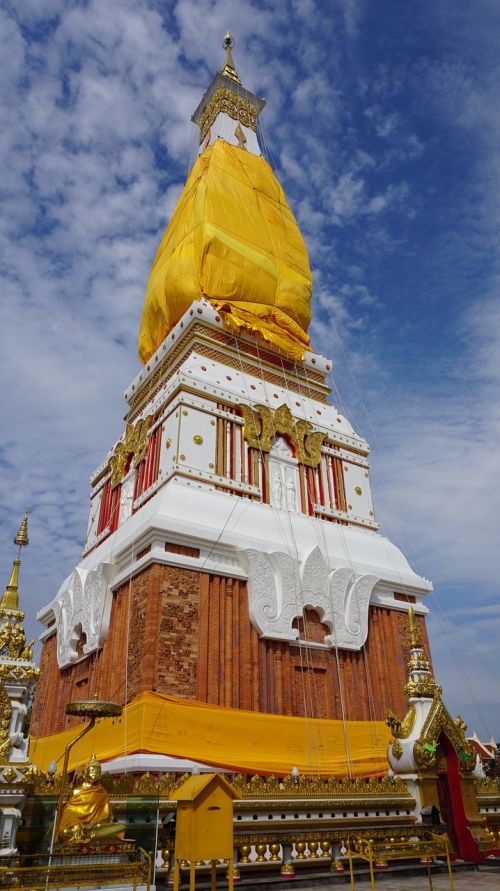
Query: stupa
[18,675]
[234,576]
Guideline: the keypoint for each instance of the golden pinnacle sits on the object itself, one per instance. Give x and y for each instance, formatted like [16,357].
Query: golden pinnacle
[21,539]
[229,69]
[10,597]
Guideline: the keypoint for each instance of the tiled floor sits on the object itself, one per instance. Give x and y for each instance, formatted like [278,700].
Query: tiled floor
[487,879]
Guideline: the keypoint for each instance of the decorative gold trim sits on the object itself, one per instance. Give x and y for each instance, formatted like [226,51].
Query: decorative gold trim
[19,672]
[261,424]
[227,101]
[94,708]
[272,793]
[202,338]
[439,721]
[18,774]
[5,716]
[397,748]
[134,443]
[13,640]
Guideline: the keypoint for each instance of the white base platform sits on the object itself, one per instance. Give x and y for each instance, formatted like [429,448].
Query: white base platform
[144,763]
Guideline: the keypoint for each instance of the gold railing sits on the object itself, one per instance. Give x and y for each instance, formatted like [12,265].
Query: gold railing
[426,847]
[71,870]
[289,851]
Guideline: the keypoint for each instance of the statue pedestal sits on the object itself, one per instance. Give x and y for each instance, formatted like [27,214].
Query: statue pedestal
[115,863]
[95,853]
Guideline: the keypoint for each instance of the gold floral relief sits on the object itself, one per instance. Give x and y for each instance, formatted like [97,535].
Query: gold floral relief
[5,715]
[134,443]
[236,107]
[261,424]
[439,721]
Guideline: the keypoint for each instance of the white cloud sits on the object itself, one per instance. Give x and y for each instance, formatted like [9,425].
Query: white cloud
[86,112]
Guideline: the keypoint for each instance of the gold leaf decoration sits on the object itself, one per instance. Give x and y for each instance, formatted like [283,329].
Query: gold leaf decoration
[261,425]
[134,443]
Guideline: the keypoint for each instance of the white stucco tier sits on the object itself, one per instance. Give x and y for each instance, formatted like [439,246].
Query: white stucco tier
[302,536]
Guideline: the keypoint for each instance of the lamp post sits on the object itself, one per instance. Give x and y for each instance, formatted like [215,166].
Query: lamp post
[86,708]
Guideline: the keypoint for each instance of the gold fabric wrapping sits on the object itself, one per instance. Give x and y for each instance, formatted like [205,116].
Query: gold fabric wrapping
[251,742]
[232,239]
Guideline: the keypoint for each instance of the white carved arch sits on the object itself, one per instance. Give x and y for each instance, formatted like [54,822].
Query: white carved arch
[82,610]
[280,589]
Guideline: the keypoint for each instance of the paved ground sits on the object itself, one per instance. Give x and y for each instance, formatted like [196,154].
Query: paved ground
[487,879]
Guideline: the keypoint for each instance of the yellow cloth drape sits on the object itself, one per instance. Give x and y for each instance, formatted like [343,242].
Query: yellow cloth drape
[232,239]
[250,742]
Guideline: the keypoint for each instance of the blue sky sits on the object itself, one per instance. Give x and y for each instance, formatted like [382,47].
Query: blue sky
[383,125]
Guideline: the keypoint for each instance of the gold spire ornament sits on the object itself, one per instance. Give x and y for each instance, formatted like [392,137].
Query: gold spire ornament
[414,632]
[421,679]
[21,539]
[229,69]
[12,636]
[10,597]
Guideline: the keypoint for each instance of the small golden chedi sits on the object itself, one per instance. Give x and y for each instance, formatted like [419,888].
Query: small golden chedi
[87,815]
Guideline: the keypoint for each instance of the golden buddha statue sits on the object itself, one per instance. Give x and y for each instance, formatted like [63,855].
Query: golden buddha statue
[87,814]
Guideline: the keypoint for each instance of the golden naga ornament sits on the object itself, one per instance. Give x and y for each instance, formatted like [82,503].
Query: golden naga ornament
[87,814]
[402,729]
[262,424]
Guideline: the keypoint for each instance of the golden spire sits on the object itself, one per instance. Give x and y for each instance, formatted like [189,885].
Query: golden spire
[415,634]
[21,538]
[229,70]
[10,597]
[421,679]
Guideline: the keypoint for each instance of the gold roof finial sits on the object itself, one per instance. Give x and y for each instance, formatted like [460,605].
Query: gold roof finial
[21,539]
[10,597]
[229,69]
[415,634]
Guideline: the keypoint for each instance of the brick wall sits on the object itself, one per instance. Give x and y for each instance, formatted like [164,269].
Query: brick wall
[185,633]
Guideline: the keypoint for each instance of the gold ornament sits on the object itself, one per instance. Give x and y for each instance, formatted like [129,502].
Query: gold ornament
[245,851]
[87,814]
[397,748]
[275,848]
[261,849]
[236,107]
[261,425]
[134,443]
[402,729]
[5,716]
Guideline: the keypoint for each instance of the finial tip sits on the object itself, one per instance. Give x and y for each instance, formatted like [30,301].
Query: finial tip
[229,69]
[22,539]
